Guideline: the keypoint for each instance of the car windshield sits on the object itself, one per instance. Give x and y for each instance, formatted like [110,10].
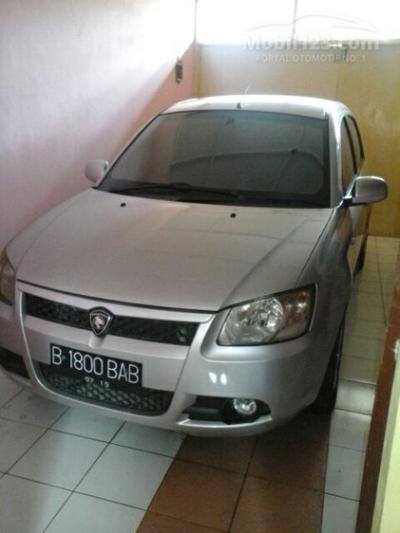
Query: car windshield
[224,156]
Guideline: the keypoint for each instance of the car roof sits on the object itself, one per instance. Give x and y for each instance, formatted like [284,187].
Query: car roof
[294,105]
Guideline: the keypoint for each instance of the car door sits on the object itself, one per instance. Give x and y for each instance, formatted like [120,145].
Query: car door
[352,155]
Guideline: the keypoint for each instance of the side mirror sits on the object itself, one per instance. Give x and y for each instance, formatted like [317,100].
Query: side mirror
[96,169]
[367,190]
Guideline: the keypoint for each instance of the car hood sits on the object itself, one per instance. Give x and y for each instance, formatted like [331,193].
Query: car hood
[168,254]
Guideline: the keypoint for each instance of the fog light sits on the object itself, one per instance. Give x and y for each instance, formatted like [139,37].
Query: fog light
[244,407]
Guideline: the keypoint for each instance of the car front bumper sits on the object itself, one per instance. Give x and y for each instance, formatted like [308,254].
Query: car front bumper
[284,376]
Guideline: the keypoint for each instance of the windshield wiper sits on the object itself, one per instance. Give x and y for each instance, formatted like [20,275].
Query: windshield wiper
[210,194]
[181,187]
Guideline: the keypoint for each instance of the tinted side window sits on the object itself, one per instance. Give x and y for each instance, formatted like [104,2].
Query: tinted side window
[356,139]
[348,169]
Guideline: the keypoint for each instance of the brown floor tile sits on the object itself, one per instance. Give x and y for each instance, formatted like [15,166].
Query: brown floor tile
[294,454]
[230,454]
[156,523]
[198,494]
[266,507]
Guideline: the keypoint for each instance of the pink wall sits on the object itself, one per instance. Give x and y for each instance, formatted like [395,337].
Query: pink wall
[76,80]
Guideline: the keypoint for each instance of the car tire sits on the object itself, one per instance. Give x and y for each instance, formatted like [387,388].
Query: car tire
[361,256]
[326,399]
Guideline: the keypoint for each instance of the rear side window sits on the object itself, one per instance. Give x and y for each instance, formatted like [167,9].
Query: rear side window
[348,166]
[356,140]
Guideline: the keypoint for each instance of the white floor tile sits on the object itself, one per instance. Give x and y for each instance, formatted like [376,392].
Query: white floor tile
[371,261]
[389,247]
[344,472]
[387,294]
[27,507]
[366,300]
[15,439]
[349,430]
[387,300]
[387,256]
[373,287]
[59,459]
[382,241]
[372,251]
[85,423]
[363,347]
[32,409]
[126,476]
[369,330]
[387,297]
[372,255]
[356,397]
[83,514]
[8,389]
[371,245]
[366,313]
[387,269]
[359,369]
[369,274]
[149,439]
[390,244]
[387,280]
[366,306]
[339,515]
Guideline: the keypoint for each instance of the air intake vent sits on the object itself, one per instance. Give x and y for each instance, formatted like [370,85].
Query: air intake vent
[140,400]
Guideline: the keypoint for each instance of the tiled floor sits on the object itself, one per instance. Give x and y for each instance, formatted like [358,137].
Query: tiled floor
[65,470]
[363,345]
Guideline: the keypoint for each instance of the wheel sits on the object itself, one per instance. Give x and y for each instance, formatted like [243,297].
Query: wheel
[326,399]
[361,256]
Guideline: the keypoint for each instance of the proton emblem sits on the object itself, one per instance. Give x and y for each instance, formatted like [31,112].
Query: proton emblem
[100,321]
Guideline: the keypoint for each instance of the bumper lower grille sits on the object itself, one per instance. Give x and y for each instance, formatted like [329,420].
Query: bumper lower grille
[140,400]
[164,331]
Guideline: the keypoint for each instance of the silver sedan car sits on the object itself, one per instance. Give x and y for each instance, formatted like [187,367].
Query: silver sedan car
[201,285]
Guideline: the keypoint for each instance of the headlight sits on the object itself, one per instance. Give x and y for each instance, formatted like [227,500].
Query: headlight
[7,279]
[275,318]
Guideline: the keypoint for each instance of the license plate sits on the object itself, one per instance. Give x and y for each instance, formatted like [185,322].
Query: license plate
[95,366]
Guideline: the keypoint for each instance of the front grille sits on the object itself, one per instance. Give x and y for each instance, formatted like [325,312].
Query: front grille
[56,312]
[164,331]
[140,400]
[12,362]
